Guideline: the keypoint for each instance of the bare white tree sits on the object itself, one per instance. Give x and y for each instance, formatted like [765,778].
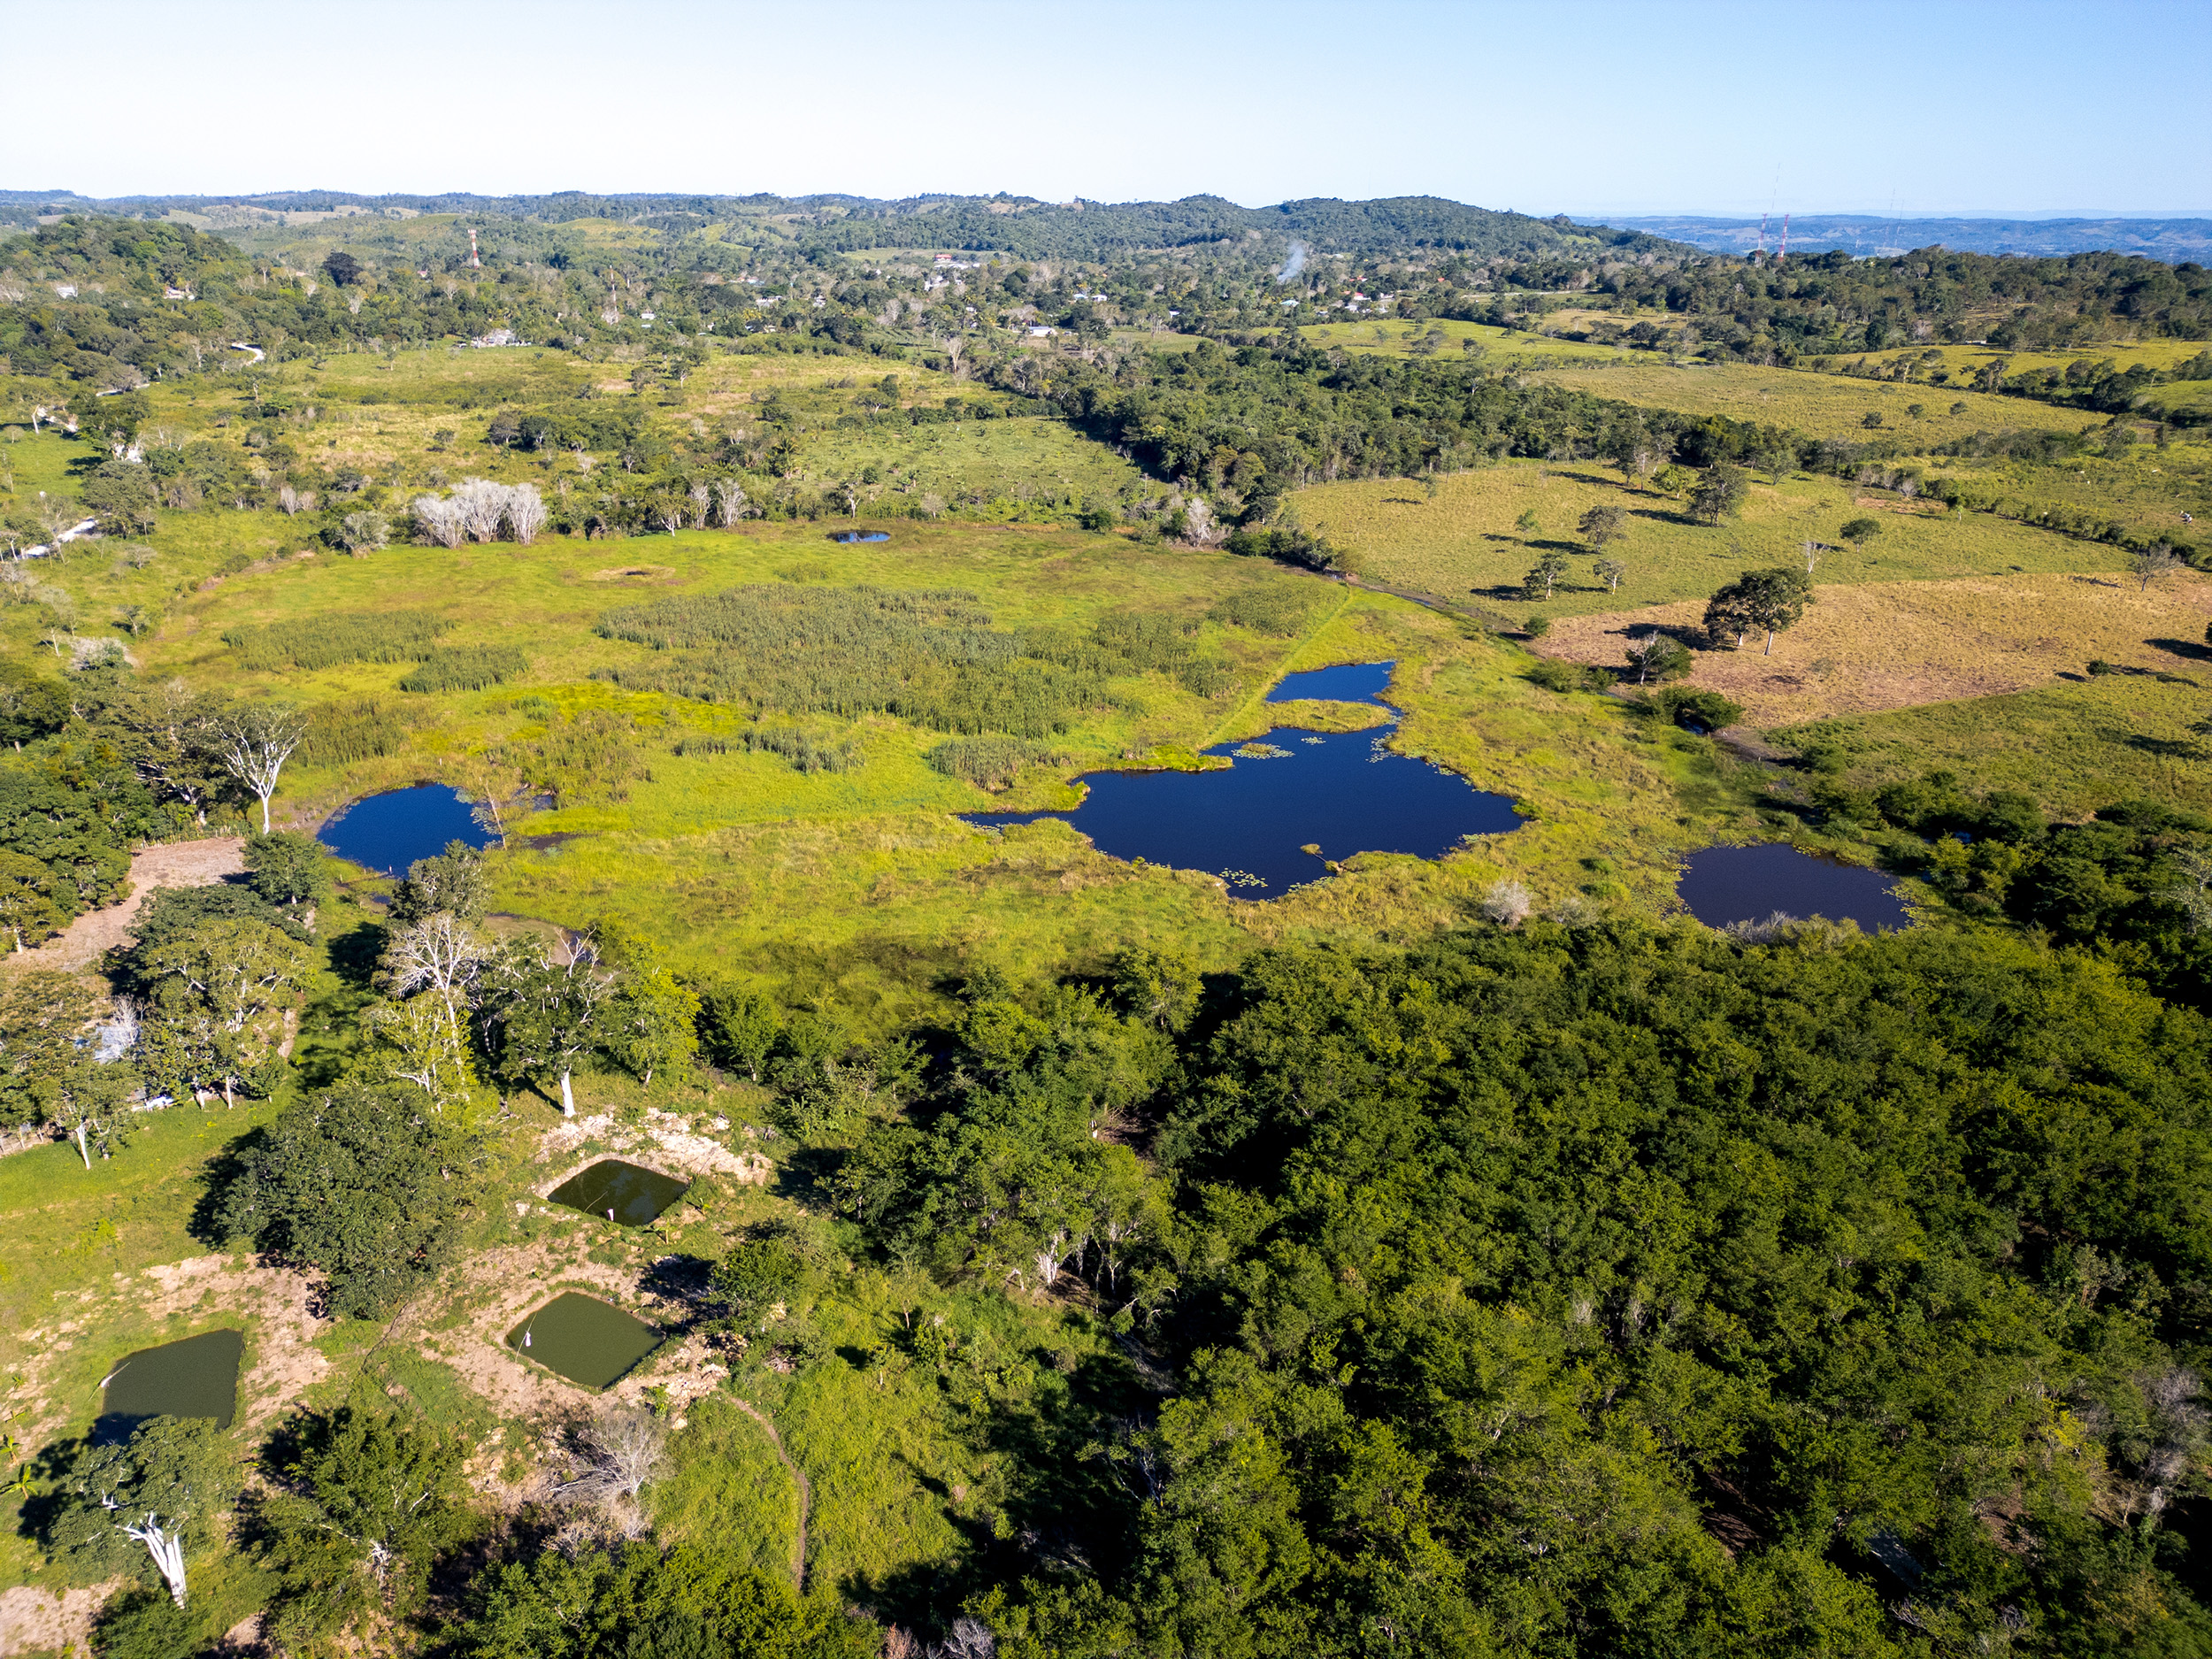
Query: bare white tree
[167,1549]
[440,953]
[253,740]
[729,501]
[970,1639]
[701,501]
[525,512]
[441,520]
[482,505]
[1508,903]
[288,499]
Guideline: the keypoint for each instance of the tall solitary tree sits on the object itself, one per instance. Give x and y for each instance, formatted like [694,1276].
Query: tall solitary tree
[1720,493]
[1547,571]
[253,740]
[1602,525]
[1775,600]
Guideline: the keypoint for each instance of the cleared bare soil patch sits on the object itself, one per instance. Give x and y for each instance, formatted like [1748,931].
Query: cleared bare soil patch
[174,865]
[1866,648]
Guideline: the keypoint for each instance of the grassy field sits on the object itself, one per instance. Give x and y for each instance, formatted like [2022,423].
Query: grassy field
[859,886]
[1961,364]
[1819,405]
[2074,747]
[2146,490]
[1891,645]
[1394,337]
[1463,542]
[978,461]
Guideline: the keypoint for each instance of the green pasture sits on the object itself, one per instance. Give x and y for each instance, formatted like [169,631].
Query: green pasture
[1819,405]
[2074,747]
[2145,489]
[1962,363]
[1393,336]
[974,461]
[1463,543]
[2193,397]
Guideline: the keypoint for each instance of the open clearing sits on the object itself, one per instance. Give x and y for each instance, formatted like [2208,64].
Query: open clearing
[1890,645]
[1819,405]
[1463,542]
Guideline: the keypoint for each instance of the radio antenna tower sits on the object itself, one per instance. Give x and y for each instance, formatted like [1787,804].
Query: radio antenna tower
[475,264]
[1784,252]
[1762,232]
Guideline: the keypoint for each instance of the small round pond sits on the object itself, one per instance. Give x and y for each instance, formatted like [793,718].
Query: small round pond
[386,832]
[585,1340]
[625,1193]
[1343,792]
[194,1377]
[1751,884]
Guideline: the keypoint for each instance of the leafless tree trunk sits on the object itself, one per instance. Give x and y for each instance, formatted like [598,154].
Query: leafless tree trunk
[167,1549]
[525,512]
[253,741]
[440,953]
[729,498]
[700,498]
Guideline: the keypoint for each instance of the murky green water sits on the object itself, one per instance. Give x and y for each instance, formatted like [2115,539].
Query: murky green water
[635,1195]
[585,1340]
[195,1378]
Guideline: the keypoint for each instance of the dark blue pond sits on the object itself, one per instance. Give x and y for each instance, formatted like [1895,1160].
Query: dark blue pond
[848,537]
[1749,883]
[386,832]
[1342,791]
[1348,682]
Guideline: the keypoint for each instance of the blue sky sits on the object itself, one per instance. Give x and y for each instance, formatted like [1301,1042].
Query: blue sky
[1595,110]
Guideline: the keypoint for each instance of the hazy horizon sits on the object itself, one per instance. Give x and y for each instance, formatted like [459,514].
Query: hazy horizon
[1742,106]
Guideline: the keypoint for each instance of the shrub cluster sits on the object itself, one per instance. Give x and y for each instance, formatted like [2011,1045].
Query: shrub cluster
[348,636]
[989,762]
[928,657]
[466,668]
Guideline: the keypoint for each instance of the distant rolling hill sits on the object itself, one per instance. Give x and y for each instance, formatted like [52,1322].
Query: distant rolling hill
[2172,239]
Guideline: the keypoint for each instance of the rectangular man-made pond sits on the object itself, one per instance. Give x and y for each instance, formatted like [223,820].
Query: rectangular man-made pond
[585,1340]
[625,1193]
[194,1377]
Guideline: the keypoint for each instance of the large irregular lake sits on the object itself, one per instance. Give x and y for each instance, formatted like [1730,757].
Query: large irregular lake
[1343,792]
[386,832]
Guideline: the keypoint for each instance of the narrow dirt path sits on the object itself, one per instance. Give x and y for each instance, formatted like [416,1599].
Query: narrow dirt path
[798,1478]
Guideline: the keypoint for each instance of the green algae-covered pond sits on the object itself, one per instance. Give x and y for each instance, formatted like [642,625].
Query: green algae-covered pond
[194,1377]
[628,1194]
[587,1340]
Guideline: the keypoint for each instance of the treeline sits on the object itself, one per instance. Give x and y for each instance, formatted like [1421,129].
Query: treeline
[1829,303]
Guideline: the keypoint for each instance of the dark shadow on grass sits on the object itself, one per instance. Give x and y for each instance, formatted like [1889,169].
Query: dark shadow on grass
[2195,650]
[2166,748]
[218,1176]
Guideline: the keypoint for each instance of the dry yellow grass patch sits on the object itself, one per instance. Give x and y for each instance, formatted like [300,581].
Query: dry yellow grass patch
[1892,645]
